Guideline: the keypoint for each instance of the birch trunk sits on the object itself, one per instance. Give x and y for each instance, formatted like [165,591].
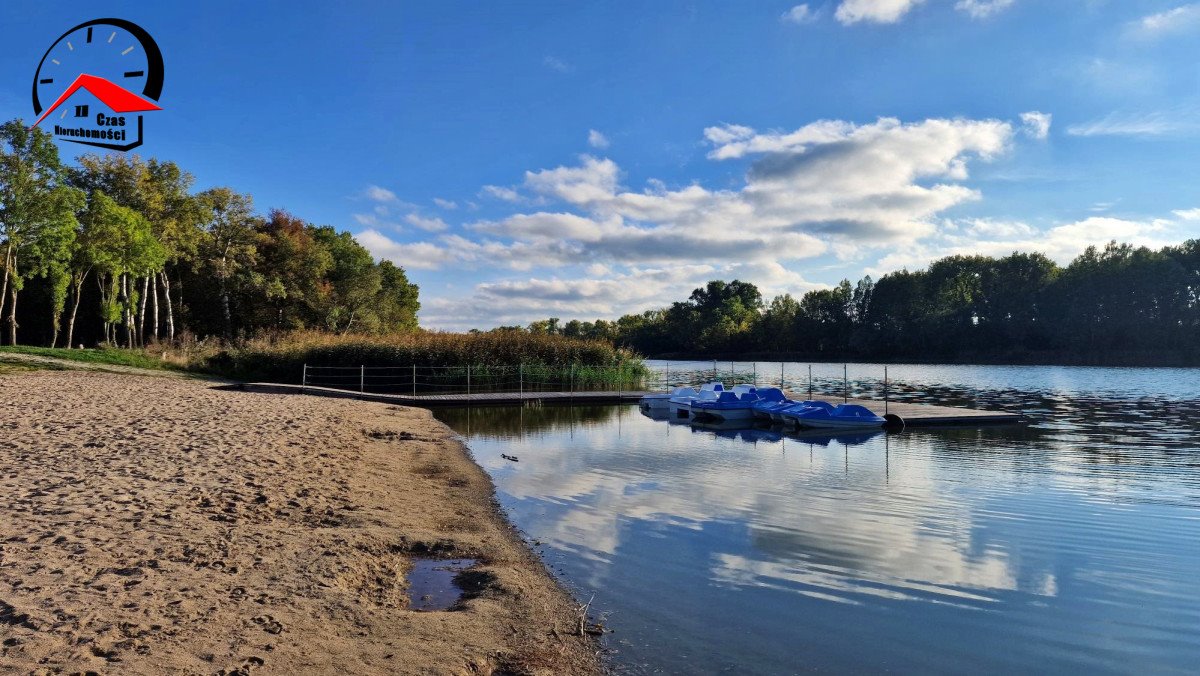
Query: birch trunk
[4,288]
[126,313]
[154,305]
[166,280]
[141,319]
[78,285]
[12,310]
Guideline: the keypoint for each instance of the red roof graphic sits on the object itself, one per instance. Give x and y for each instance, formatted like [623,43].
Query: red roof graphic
[120,100]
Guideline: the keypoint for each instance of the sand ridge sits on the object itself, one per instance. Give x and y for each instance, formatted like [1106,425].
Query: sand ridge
[164,525]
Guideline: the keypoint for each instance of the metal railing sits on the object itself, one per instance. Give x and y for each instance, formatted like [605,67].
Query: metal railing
[526,378]
[521,378]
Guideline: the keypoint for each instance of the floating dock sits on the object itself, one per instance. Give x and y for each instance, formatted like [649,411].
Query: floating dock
[914,415]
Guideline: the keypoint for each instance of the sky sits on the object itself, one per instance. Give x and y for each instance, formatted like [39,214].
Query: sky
[524,160]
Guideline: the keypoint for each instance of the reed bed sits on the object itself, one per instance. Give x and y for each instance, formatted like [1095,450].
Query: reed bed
[444,360]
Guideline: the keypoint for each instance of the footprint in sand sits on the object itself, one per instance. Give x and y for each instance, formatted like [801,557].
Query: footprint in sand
[268,624]
[244,668]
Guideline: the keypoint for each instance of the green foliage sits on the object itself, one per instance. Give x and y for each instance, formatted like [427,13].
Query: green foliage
[1118,304]
[37,213]
[171,264]
[353,281]
[282,360]
[159,191]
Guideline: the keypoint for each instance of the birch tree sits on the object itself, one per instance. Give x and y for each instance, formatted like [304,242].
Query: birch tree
[37,212]
[160,192]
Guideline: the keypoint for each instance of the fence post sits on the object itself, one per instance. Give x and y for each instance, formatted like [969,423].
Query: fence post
[810,382]
[521,380]
[714,369]
[304,377]
[414,380]
[845,384]
[781,381]
[362,379]
[885,390]
[667,377]
[754,378]
[468,382]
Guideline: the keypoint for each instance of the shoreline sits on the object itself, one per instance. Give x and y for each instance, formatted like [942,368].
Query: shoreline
[1126,361]
[164,524]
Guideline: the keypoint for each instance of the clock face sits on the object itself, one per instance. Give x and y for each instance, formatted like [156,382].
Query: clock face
[113,49]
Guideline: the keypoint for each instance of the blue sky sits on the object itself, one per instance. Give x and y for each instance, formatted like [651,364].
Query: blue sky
[525,160]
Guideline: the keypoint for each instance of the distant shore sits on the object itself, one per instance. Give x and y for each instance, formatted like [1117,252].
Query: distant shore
[163,524]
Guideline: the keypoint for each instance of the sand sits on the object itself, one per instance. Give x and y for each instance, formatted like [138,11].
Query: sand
[165,525]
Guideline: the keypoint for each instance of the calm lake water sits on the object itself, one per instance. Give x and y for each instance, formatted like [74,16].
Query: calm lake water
[1071,544]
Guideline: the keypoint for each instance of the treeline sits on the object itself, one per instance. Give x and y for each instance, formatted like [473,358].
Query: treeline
[120,251]
[1118,304]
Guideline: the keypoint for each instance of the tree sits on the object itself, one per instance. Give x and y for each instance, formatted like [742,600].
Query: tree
[397,304]
[37,213]
[160,192]
[293,265]
[714,314]
[117,243]
[776,330]
[227,247]
[352,284]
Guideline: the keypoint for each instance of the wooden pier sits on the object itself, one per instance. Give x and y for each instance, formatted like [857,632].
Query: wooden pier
[914,415]
[931,415]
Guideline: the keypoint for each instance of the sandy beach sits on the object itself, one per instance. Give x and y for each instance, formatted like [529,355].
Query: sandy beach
[164,525]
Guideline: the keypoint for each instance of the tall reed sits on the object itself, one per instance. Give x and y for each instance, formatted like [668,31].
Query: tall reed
[587,364]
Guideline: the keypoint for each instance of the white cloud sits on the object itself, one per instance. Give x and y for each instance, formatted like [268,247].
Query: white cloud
[429,224]
[1036,125]
[602,294]
[1187,214]
[595,180]
[982,9]
[828,187]
[1062,243]
[378,219]
[1173,21]
[800,14]
[874,11]
[377,194]
[985,228]
[545,225]
[894,555]
[1133,124]
[557,65]
[413,255]
[596,139]
[445,204]
[506,194]
[867,182]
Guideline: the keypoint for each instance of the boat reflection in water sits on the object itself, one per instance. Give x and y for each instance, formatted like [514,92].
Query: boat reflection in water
[754,431]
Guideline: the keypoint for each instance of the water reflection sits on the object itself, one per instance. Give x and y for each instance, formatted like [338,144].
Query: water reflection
[1069,544]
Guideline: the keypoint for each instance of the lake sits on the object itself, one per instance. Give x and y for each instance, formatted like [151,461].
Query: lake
[1070,544]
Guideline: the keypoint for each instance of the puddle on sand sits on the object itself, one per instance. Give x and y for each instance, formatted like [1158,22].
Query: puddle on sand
[431,583]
